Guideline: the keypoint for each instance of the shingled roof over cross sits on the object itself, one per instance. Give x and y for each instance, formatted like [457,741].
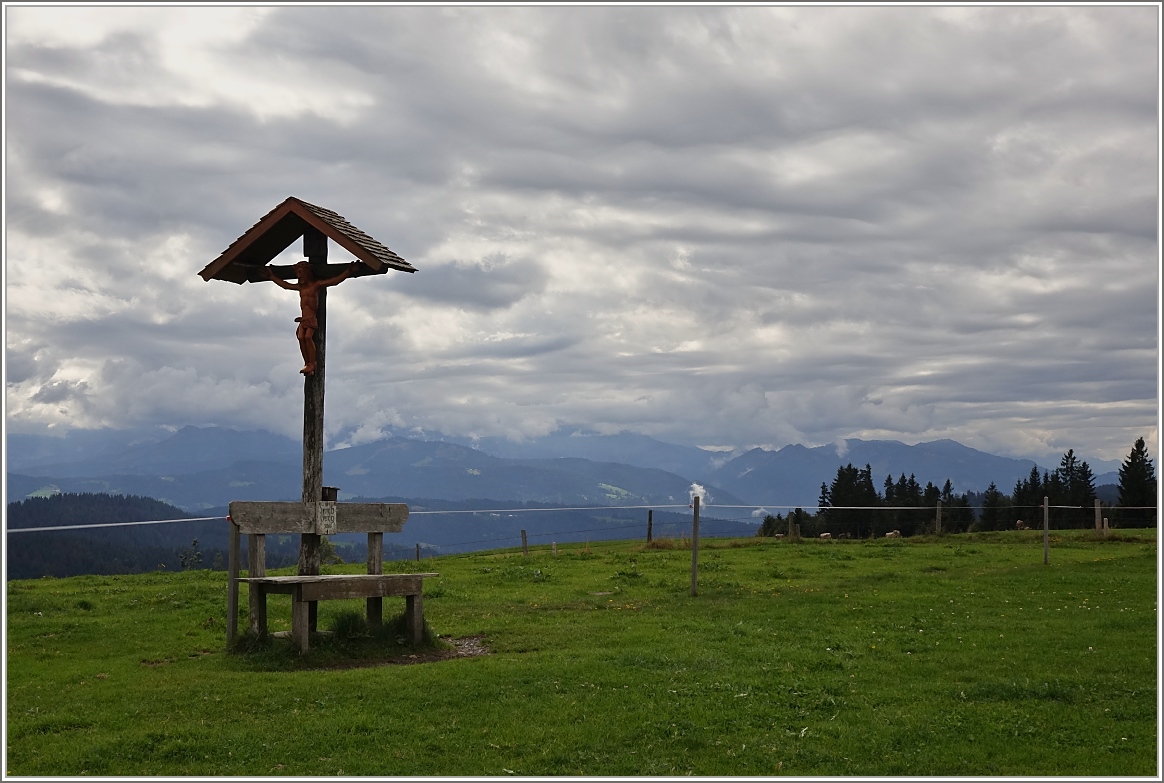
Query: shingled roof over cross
[244,260]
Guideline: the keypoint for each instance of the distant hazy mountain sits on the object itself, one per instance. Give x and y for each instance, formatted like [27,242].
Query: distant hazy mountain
[25,451]
[190,491]
[399,466]
[197,468]
[626,447]
[394,466]
[793,475]
[189,450]
[1107,478]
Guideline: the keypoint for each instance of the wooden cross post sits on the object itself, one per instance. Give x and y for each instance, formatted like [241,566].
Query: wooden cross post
[315,250]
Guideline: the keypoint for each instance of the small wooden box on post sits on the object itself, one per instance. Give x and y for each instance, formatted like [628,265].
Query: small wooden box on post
[318,513]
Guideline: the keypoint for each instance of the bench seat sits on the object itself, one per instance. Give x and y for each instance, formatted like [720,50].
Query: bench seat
[327,587]
[306,589]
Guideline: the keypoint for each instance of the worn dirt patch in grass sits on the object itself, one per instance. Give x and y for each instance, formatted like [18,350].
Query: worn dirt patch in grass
[467,647]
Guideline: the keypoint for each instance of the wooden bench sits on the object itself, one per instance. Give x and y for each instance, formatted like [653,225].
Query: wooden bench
[258,519]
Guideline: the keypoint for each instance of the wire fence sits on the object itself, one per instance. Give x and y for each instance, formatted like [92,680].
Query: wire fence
[756,513]
[110,524]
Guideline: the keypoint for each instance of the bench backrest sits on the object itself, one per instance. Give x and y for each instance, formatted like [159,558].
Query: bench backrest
[322,518]
[326,517]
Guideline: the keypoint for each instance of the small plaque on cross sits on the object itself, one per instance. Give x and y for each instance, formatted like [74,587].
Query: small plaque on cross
[325,517]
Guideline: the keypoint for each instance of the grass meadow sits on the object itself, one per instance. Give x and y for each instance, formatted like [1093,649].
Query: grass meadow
[953,656]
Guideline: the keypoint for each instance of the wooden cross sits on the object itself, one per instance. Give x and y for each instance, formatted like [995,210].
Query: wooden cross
[246,260]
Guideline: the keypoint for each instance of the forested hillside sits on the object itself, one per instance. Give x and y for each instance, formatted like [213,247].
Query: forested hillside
[114,550]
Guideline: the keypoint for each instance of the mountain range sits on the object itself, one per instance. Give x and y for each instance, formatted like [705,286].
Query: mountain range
[198,468]
[201,468]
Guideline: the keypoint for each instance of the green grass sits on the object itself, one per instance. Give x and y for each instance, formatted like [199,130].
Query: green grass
[963,655]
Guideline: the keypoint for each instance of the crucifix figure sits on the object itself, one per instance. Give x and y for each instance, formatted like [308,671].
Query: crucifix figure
[308,288]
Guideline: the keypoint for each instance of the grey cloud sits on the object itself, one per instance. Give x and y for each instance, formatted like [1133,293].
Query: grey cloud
[491,284]
[976,201]
[21,366]
[60,391]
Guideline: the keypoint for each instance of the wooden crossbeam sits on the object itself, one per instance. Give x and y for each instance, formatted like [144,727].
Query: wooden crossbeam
[319,518]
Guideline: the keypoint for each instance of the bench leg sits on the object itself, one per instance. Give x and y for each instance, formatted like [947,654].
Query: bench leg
[257,597]
[300,628]
[414,617]
[258,604]
[233,546]
[375,612]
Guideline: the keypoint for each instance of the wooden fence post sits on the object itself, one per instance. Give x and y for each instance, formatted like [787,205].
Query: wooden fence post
[1106,529]
[1046,530]
[1098,517]
[650,520]
[524,547]
[695,549]
[418,551]
[555,543]
[939,521]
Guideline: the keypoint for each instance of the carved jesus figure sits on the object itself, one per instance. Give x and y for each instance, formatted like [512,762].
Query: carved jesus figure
[309,288]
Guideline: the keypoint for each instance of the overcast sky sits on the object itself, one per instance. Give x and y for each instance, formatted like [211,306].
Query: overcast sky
[716,226]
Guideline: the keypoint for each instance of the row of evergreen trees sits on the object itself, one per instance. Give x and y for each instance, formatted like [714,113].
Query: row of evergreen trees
[1071,487]
[1072,484]
[905,505]
[852,506]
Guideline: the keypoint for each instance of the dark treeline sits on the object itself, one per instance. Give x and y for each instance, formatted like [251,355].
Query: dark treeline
[113,550]
[852,506]
[908,506]
[89,509]
[1072,488]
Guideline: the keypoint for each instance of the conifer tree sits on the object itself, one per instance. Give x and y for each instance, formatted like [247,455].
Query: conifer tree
[1085,489]
[1027,498]
[992,517]
[1073,485]
[1137,488]
[771,526]
[888,518]
[852,489]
